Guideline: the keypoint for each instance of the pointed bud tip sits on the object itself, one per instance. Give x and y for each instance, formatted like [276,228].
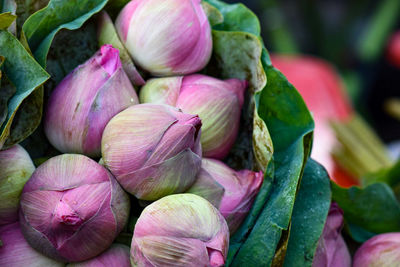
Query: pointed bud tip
[195,121]
[65,215]
[253,179]
[108,58]
[216,258]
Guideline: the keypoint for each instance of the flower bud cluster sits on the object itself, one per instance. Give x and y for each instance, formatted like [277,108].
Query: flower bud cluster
[164,148]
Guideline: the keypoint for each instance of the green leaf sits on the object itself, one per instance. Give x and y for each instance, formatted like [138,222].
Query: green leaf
[6,19]
[309,215]
[291,126]
[372,209]
[241,234]
[40,28]
[214,16]
[27,119]
[7,90]
[390,175]
[237,17]
[68,50]
[237,55]
[24,72]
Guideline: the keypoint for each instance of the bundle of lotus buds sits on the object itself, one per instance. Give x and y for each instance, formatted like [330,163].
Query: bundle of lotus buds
[165,148]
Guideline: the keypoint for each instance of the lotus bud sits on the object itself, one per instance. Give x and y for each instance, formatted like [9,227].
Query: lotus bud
[381,250]
[153,150]
[166,37]
[82,104]
[117,255]
[180,230]
[232,192]
[332,250]
[15,169]
[72,208]
[217,102]
[16,252]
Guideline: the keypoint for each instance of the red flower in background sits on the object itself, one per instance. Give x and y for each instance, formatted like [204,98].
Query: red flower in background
[322,90]
[393,49]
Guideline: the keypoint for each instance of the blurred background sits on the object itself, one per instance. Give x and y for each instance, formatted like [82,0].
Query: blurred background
[344,58]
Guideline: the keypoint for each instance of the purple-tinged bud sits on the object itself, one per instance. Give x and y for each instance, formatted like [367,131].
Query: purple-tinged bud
[218,104]
[180,230]
[83,103]
[232,192]
[166,37]
[332,250]
[16,252]
[153,150]
[72,208]
[16,167]
[381,250]
[116,256]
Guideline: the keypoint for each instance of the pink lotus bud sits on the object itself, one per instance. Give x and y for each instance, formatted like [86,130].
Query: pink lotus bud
[231,192]
[180,230]
[16,252]
[72,208]
[117,255]
[332,250]
[217,102]
[153,150]
[15,169]
[166,37]
[381,250]
[82,104]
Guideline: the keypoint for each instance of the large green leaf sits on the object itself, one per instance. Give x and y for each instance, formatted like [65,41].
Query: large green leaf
[291,126]
[370,210]
[23,72]
[237,17]
[309,215]
[41,27]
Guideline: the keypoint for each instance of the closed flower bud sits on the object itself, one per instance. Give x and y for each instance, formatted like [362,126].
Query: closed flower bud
[180,230]
[332,250]
[116,256]
[232,192]
[16,252]
[166,37]
[15,169]
[381,250]
[153,150]
[72,208]
[82,104]
[218,104]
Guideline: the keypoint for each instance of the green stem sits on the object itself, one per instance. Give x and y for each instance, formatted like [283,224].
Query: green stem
[376,33]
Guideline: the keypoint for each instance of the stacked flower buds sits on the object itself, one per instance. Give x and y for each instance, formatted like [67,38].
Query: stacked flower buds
[72,208]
